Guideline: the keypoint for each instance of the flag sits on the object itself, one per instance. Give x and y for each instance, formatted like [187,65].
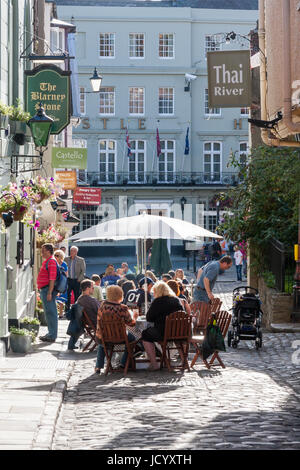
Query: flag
[129,153]
[65,215]
[158,147]
[187,144]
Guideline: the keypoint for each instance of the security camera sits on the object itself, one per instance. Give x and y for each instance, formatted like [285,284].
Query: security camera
[190,77]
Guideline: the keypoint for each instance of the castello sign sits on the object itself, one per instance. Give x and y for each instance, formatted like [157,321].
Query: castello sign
[229,80]
[51,86]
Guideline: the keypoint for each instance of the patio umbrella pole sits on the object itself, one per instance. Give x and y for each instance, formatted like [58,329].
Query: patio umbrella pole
[145,284]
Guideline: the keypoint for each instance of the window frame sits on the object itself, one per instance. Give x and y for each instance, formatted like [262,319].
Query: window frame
[133,47]
[217,42]
[212,162]
[129,101]
[109,45]
[210,114]
[135,151]
[164,151]
[107,163]
[82,99]
[114,100]
[173,101]
[163,57]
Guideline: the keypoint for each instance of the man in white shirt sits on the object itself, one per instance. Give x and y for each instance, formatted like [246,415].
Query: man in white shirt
[238,259]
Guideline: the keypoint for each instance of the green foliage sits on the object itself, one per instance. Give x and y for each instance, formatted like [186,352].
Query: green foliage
[30,321]
[23,332]
[265,202]
[269,279]
[4,109]
[16,113]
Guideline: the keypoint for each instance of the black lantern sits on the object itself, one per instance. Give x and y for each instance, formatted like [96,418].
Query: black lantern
[40,126]
[96,82]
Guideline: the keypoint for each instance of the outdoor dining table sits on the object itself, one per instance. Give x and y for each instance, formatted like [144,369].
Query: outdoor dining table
[140,325]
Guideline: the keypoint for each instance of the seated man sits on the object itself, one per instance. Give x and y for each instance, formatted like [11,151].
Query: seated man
[89,304]
[135,298]
[113,304]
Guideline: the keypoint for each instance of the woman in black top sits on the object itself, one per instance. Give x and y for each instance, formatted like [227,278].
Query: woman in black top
[164,303]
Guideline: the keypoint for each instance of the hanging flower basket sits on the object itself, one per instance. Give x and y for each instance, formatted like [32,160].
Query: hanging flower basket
[20,213]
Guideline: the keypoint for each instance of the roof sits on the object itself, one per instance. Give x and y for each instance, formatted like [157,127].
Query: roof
[209,4]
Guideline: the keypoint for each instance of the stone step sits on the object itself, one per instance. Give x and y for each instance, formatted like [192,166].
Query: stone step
[285,327]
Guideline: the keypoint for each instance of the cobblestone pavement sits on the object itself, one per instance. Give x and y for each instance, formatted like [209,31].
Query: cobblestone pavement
[252,404]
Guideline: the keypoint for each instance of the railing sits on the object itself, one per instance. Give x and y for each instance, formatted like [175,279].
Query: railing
[157,179]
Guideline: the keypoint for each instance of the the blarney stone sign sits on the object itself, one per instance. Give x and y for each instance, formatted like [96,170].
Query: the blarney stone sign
[49,85]
[229,79]
[69,158]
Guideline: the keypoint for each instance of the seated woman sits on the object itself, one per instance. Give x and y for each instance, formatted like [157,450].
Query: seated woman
[179,274]
[164,303]
[175,288]
[110,277]
[112,304]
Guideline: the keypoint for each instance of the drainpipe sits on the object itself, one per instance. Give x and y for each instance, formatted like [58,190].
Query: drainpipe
[287,75]
[273,142]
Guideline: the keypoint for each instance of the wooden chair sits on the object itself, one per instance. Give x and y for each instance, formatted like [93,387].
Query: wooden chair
[216,304]
[113,335]
[201,312]
[178,329]
[90,330]
[223,320]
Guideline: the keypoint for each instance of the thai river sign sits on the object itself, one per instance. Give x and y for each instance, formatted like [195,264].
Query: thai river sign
[49,85]
[229,79]
[69,158]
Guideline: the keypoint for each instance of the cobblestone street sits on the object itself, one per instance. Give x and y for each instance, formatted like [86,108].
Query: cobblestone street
[252,404]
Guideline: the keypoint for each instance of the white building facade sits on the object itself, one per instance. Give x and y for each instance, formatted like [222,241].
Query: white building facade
[153,62]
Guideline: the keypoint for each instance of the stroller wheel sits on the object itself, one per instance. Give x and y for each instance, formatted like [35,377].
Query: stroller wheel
[258,341]
[234,344]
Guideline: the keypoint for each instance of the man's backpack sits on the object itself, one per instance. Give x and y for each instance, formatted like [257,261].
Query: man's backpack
[61,282]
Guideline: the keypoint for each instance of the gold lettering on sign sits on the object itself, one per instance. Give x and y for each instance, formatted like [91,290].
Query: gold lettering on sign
[104,122]
[85,123]
[142,124]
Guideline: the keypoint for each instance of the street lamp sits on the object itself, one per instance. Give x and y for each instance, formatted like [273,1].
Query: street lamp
[95,82]
[40,126]
[182,203]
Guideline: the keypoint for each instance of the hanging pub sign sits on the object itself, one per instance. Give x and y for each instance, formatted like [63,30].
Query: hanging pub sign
[229,79]
[50,85]
[69,158]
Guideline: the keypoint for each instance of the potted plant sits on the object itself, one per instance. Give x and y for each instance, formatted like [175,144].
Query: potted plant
[20,340]
[31,324]
[3,116]
[18,118]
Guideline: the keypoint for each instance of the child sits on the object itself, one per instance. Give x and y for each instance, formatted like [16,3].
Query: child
[97,294]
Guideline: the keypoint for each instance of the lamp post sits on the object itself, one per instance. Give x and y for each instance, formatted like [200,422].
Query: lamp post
[218,212]
[296,287]
[182,203]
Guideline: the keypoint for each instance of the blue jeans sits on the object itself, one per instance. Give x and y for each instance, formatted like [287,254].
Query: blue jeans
[239,271]
[50,310]
[101,354]
[200,295]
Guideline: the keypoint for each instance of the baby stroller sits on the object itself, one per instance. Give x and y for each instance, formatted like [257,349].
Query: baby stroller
[246,317]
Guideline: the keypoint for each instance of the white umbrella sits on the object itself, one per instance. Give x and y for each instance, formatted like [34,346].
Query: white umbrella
[144,226]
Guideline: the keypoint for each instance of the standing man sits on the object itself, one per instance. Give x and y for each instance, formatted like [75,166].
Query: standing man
[207,276]
[126,269]
[76,274]
[45,283]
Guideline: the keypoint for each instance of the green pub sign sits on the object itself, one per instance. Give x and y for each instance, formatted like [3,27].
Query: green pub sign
[50,85]
[229,79]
